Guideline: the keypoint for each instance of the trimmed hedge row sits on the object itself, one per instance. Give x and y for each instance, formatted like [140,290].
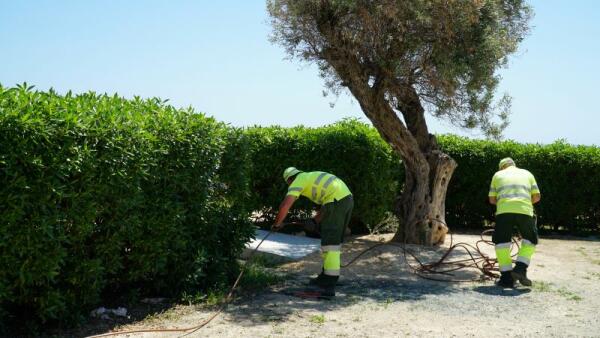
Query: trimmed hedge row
[569,176]
[100,195]
[349,149]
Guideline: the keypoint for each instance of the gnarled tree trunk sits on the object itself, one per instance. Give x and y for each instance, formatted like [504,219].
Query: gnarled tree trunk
[421,206]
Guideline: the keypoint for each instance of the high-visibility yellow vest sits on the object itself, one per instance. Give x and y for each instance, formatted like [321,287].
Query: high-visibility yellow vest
[320,187]
[513,188]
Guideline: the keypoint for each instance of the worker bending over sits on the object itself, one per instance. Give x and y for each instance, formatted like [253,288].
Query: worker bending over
[514,191]
[336,202]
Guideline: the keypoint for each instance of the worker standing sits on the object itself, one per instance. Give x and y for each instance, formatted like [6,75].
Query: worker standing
[514,191]
[336,202]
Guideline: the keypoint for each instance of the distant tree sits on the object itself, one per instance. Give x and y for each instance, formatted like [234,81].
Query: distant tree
[401,59]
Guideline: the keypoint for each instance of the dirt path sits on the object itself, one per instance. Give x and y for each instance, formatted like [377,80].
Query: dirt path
[380,297]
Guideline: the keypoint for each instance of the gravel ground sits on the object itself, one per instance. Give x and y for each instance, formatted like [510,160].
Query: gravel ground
[381,297]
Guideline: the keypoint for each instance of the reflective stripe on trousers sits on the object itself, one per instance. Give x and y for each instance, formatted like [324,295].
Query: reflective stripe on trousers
[526,251]
[331,259]
[503,256]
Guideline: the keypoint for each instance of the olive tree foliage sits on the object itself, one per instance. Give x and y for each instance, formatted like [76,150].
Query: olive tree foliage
[402,60]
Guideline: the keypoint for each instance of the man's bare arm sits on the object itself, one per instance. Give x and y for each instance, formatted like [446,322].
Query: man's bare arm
[284,208]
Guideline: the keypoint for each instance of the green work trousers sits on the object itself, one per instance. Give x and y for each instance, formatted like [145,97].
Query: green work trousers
[506,225]
[335,218]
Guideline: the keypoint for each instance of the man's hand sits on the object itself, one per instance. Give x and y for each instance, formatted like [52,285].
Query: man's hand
[276,227]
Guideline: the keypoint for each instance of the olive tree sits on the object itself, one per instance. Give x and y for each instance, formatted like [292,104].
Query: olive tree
[405,59]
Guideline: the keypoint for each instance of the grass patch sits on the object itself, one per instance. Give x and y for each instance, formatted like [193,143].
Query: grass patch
[171,314]
[570,295]
[387,303]
[317,319]
[258,276]
[265,261]
[541,286]
[564,292]
[595,275]
[211,297]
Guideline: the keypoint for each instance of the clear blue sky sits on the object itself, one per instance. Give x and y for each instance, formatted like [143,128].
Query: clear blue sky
[216,57]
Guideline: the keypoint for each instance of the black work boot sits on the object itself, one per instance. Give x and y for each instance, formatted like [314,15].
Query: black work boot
[506,280]
[520,273]
[316,281]
[327,291]
[322,279]
[326,284]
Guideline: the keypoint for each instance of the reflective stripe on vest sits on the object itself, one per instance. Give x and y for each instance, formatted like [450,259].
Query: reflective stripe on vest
[323,189]
[516,195]
[514,191]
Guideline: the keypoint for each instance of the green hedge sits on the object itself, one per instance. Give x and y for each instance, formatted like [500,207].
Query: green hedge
[569,176]
[100,195]
[351,150]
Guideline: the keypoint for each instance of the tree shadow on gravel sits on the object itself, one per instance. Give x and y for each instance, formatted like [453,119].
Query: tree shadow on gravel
[379,278]
[275,305]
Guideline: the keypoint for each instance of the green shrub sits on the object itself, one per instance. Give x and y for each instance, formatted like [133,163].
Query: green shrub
[569,176]
[349,149]
[101,195]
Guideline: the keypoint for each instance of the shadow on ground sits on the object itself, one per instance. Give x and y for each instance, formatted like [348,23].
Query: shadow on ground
[94,326]
[381,276]
[493,290]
